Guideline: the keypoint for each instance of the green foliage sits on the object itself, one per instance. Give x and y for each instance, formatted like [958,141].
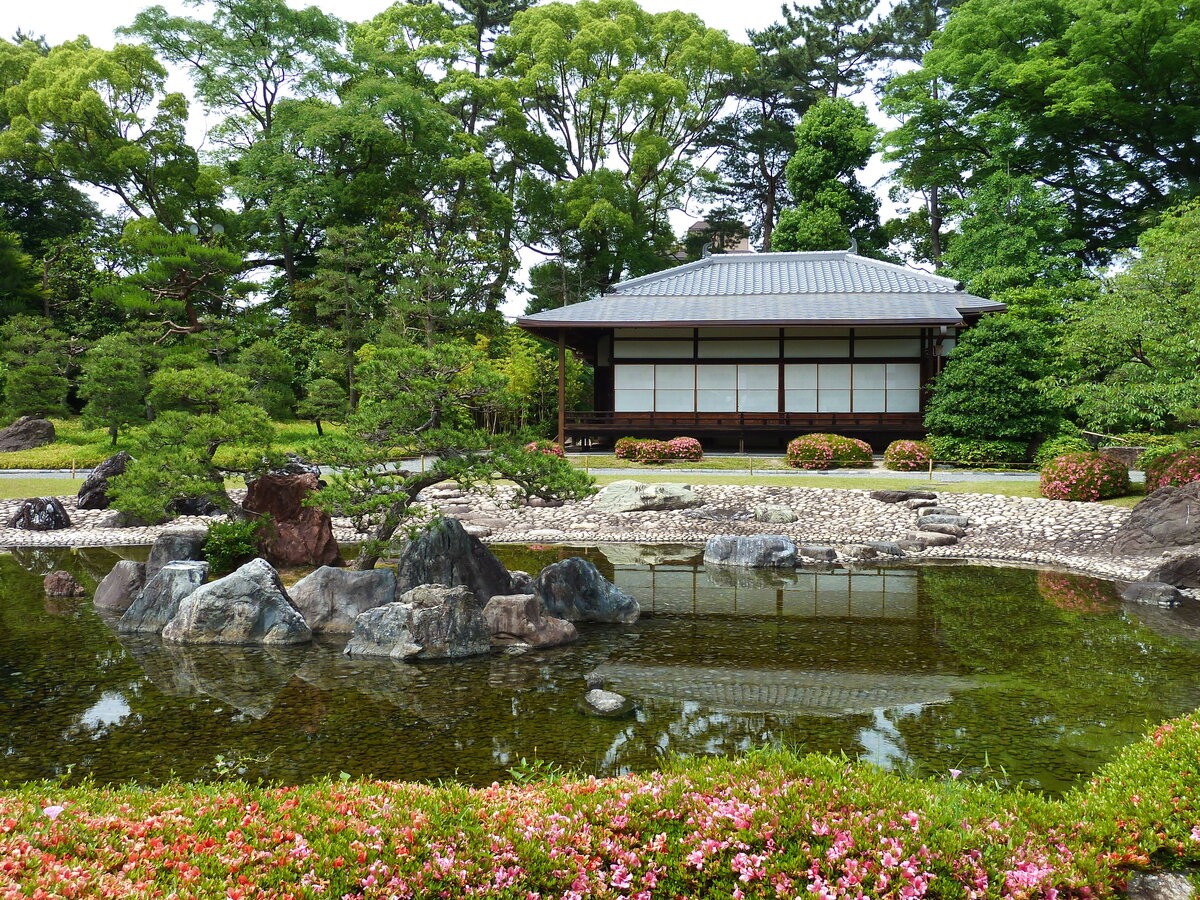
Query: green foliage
[230,544]
[324,400]
[114,384]
[834,140]
[976,453]
[35,389]
[828,451]
[908,456]
[989,389]
[529,366]
[269,373]
[20,288]
[1058,446]
[1084,476]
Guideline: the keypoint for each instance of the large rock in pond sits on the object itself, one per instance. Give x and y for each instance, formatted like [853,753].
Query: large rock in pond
[300,535]
[175,546]
[443,553]
[27,433]
[248,606]
[521,619]
[1168,519]
[574,589]
[1178,569]
[40,514]
[331,599]
[159,600]
[760,551]
[634,496]
[93,493]
[63,584]
[119,588]
[431,621]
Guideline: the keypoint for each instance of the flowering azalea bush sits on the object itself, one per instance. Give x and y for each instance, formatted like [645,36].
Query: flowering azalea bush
[548,447]
[770,824]
[828,451]
[908,456]
[1084,476]
[648,450]
[1177,469]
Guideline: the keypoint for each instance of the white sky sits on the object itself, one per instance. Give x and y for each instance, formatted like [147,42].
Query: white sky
[61,20]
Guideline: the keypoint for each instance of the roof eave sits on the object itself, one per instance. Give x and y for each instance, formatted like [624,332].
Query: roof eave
[539,324]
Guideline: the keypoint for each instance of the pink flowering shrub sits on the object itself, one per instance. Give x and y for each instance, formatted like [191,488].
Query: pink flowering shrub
[767,825]
[908,456]
[1078,593]
[548,447]
[648,450]
[828,451]
[1176,469]
[1084,476]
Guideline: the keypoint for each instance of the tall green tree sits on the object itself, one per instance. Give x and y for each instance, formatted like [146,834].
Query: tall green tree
[20,288]
[834,140]
[114,384]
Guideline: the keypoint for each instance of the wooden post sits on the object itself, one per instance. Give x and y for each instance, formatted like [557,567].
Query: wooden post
[562,388]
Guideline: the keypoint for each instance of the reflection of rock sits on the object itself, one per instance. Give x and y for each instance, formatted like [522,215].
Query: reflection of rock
[521,619]
[118,589]
[159,600]
[1169,518]
[760,551]
[63,584]
[174,545]
[40,514]
[331,599]
[93,493]
[443,553]
[634,496]
[736,576]
[430,621]
[1183,621]
[26,433]
[575,590]
[248,606]
[39,560]
[649,554]
[1179,569]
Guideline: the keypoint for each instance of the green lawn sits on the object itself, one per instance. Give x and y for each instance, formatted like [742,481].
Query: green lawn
[20,488]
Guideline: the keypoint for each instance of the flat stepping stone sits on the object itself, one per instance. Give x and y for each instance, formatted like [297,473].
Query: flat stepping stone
[940,511]
[961,521]
[818,552]
[901,496]
[954,530]
[932,538]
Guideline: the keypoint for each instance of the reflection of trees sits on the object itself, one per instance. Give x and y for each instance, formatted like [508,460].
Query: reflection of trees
[1060,689]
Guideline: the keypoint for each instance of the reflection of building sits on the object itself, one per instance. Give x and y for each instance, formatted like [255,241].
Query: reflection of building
[763,344]
[687,589]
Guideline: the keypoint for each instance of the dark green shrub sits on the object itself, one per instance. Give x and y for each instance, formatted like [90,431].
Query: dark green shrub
[1084,476]
[232,543]
[972,453]
[1058,446]
[828,451]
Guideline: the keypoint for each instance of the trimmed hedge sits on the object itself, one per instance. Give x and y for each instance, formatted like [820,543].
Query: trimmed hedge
[649,450]
[1180,468]
[1060,446]
[971,453]
[828,451]
[1084,476]
[908,456]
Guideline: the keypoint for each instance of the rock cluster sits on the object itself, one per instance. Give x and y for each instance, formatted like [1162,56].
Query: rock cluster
[432,621]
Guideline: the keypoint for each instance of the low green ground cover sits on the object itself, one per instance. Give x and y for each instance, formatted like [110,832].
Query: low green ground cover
[20,488]
[768,824]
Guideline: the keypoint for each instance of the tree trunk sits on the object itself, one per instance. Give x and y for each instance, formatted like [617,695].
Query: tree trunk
[768,221]
[369,555]
[112,433]
[320,433]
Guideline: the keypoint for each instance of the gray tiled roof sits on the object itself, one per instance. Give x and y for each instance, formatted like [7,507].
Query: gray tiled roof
[828,288]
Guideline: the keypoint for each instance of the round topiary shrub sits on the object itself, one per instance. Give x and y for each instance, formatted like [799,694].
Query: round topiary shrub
[828,451]
[1084,476]
[624,447]
[1176,469]
[908,456]
[685,448]
[548,447]
[649,450]
[1060,446]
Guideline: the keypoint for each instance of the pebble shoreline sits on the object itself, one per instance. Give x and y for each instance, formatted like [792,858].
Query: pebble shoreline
[1008,530]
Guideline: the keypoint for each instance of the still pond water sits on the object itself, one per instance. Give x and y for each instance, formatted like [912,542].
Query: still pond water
[1008,674]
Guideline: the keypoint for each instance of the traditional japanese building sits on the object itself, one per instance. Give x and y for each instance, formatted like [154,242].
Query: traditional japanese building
[763,346]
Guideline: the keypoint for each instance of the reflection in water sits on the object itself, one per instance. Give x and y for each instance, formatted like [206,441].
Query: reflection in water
[932,669]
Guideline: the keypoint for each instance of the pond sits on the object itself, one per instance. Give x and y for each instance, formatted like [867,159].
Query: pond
[1007,674]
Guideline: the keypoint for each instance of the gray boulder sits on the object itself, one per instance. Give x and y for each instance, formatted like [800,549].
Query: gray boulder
[817,552]
[920,503]
[443,553]
[93,493]
[431,621]
[760,551]
[930,539]
[330,599]
[774,514]
[175,546]
[901,496]
[886,548]
[634,496]
[1179,569]
[953,530]
[573,589]
[1168,519]
[606,704]
[1153,592]
[1160,886]
[159,600]
[118,589]
[26,433]
[859,552]
[522,582]
[960,521]
[40,514]
[248,606]
[940,511]
[521,619]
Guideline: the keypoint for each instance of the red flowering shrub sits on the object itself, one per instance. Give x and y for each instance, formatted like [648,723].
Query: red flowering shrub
[828,451]
[1078,593]
[1084,476]
[648,450]
[548,447]
[908,456]
[1176,468]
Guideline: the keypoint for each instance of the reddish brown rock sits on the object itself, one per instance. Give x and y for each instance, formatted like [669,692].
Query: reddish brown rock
[63,584]
[300,535]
